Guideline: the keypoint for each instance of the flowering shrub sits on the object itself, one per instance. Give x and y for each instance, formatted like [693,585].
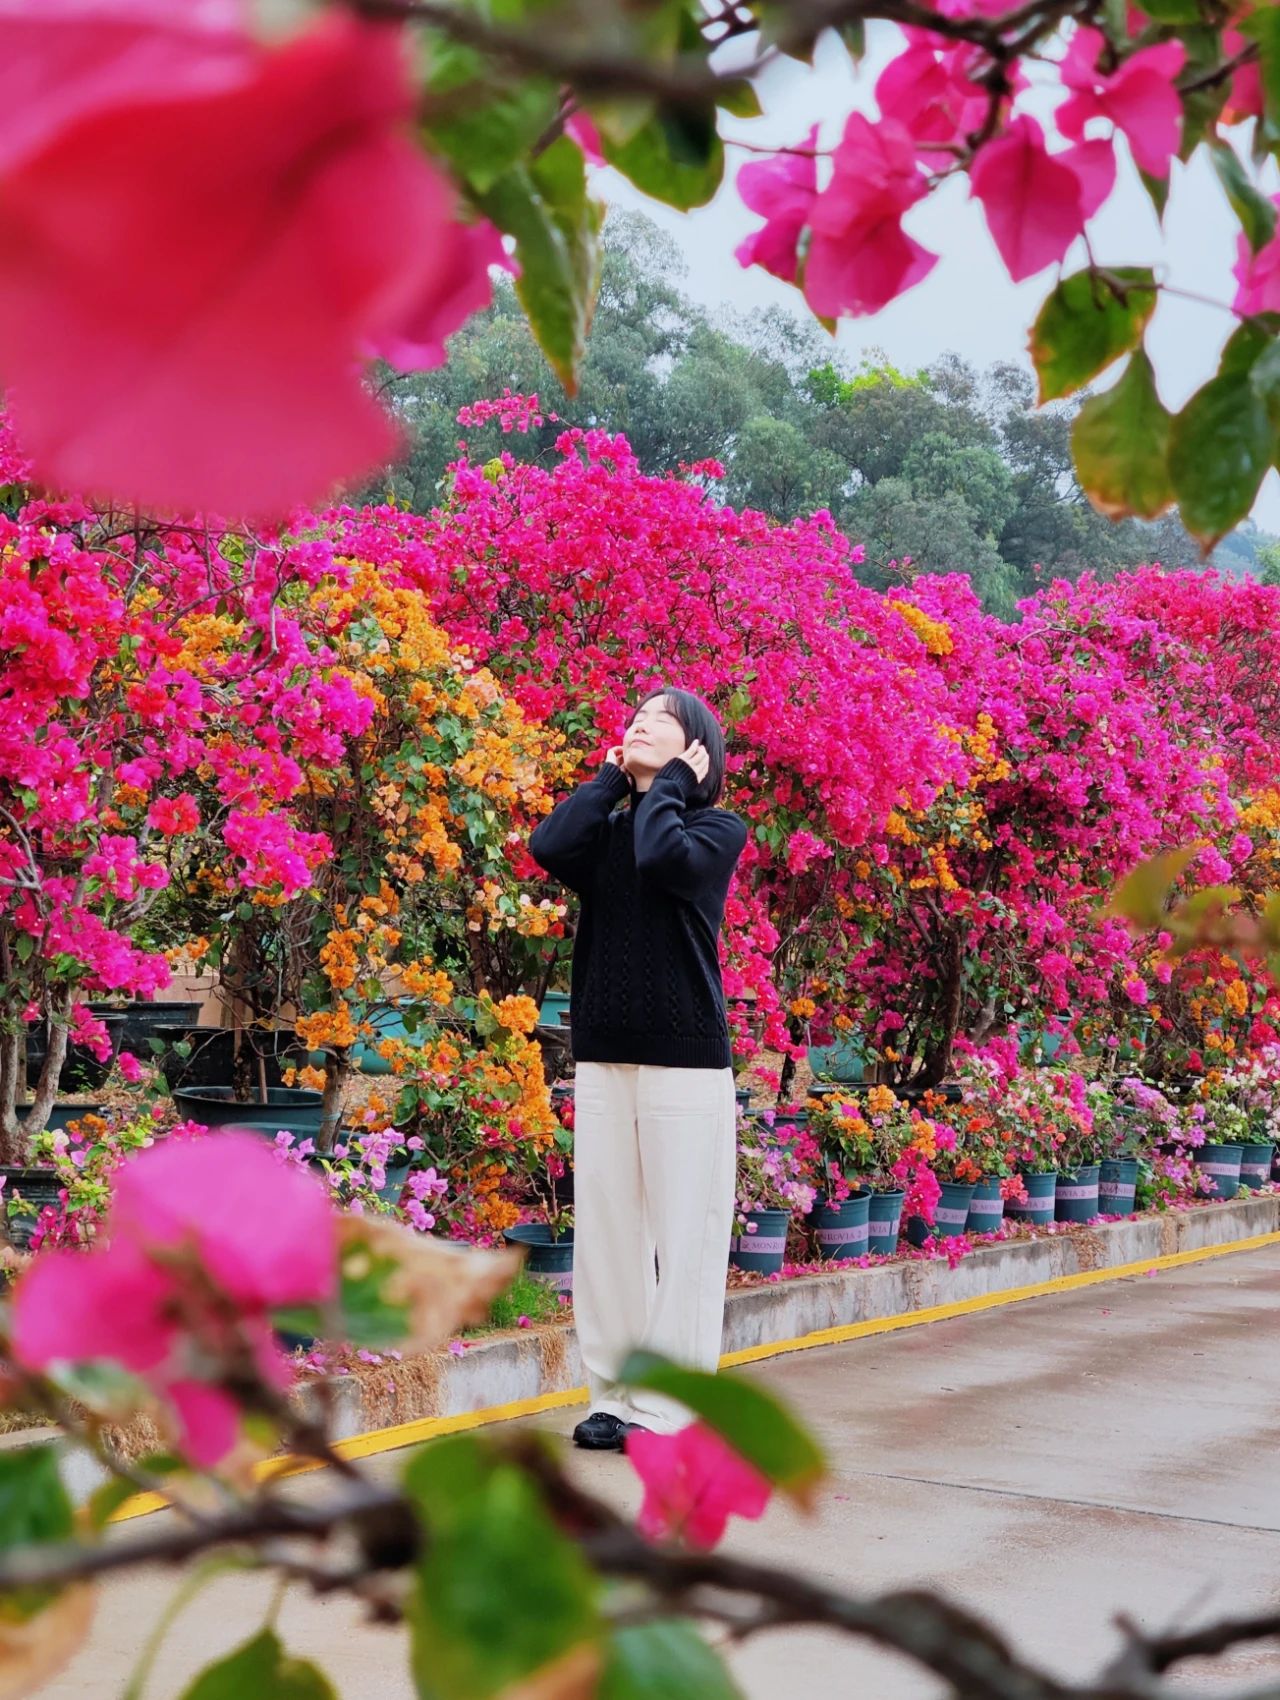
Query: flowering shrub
[773,1173]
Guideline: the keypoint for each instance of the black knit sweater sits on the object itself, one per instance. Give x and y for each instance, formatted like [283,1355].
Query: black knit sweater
[653,879]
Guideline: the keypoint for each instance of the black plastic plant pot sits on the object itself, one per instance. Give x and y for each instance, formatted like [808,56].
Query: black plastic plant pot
[550,1259]
[288,1109]
[37,1187]
[143,1021]
[212,1058]
[82,1070]
[61,1116]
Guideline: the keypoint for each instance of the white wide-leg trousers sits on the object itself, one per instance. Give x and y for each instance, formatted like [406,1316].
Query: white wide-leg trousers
[654,1154]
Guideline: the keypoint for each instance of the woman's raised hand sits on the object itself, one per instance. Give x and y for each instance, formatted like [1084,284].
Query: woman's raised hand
[616,758]
[697,758]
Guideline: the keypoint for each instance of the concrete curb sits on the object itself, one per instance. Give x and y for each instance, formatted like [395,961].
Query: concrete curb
[544,1364]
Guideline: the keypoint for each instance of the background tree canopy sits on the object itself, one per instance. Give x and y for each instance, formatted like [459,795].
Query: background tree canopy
[942,470]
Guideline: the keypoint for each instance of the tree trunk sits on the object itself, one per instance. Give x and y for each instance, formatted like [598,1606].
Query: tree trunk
[937,1059]
[47,1086]
[12,1048]
[337,1072]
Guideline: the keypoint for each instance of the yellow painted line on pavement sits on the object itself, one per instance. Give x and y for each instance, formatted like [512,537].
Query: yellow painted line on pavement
[433,1428]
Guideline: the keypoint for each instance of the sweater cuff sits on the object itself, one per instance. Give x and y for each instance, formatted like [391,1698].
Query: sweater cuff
[613,780]
[682,774]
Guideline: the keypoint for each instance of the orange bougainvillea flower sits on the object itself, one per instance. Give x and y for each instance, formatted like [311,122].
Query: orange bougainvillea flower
[237,244]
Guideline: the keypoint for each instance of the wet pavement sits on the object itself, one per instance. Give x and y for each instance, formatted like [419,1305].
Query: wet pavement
[1051,1464]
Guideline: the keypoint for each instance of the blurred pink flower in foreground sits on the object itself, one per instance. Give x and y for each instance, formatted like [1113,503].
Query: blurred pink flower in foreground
[694,1482]
[205,1238]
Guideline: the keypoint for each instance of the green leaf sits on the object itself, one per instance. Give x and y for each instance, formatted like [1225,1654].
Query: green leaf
[1142,896]
[499,1593]
[34,1510]
[677,157]
[34,1506]
[556,225]
[1202,107]
[854,36]
[1220,447]
[261,1670]
[740,100]
[1174,11]
[753,1423]
[1090,320]
[668,1660]
[25,947]
[1120,444]
[481,128]
[1254,210]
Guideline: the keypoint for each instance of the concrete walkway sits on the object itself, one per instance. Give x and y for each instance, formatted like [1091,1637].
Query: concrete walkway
[1051,1464]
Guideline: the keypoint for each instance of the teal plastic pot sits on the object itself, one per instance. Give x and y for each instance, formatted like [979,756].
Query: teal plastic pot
[551,1260]
[1255,1164]
[1076,1197]
[761,1252]
[289,1109]
[844,1061]
[951,1217]
[986,1207]
[554,1010]
[1042,1192]
[885,1222]
[1220,1165]
[844,1229]
[1118,1186]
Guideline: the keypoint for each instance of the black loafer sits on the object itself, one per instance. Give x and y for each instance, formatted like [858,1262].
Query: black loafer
[600,1432]
[628,1429]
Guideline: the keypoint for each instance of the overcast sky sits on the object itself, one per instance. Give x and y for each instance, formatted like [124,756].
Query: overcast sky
[968,304]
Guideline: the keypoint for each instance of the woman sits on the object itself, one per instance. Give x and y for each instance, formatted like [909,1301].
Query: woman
[654,1115]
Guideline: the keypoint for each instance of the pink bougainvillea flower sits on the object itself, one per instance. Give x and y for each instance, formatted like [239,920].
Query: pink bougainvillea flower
[186,1214]
[454,292]
[782,191]
[1246,97]
[859,257]
[66,59]
[263,1230]
[930,93]
[220,371]
[694,1482]
[1258,275]
[1139,97]
[172,815]
[582,129]
[1036,202]
[129,1067]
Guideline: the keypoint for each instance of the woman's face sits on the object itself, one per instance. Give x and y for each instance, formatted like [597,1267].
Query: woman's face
[653,738]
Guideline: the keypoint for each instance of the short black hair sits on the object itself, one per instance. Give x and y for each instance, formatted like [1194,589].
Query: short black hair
[699,726]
